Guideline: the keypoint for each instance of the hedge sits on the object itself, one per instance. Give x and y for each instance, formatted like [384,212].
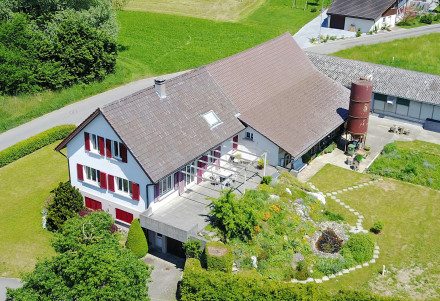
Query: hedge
[136,240]
[218,263]
[199,285]
[34,143]
[361,247]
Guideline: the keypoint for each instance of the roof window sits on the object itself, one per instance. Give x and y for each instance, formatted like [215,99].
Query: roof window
[212,119]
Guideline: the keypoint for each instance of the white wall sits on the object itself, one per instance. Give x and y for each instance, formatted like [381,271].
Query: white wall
[131,170]
[364,25]
[259,145]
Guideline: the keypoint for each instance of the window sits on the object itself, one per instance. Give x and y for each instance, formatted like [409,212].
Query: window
[117,150]
[250,136]
[403,102]
[95,143]
[190,171]
[165,185]
[212,119]
[93,175]
[379,96]
[123,186]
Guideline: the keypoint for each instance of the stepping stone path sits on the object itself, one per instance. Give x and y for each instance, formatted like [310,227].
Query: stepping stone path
[356,229]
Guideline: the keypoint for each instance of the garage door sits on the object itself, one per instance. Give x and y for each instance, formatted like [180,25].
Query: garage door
[337,21]
[124,216]
[93,204]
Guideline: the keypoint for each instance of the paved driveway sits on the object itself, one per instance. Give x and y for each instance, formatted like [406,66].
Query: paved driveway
[8,282]
[377,136]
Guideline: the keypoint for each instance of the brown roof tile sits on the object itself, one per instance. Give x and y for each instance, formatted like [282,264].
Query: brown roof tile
[164,134]
[280,94]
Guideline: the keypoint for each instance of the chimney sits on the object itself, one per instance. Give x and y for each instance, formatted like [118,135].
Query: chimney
[159,87]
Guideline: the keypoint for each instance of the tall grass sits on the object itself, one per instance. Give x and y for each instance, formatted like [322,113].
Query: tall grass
[418,53]
[152,44]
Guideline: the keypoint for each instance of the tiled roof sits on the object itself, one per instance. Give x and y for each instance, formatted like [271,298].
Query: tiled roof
[387,80]
[280,94]
[164,134]
[366,9]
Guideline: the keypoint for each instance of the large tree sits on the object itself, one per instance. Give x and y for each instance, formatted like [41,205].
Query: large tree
[90,265]
[51,44]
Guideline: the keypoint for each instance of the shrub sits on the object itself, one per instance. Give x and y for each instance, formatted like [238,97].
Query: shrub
[266,180]
[361,247]
[378,226]
[426,18]
[358,33]
[313,9]
[232,217]
[136,240]
[192,248]
[34,143]
[329,266]
[218,257]
[200,285]
[192,265]
[333,216]
[389,148]
[66,202]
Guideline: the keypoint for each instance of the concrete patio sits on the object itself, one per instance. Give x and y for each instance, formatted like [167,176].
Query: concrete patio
[186,215]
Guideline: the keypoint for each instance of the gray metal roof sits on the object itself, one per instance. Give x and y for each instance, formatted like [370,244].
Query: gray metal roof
[365,9]
[281,95]
[164,134]
[387,80]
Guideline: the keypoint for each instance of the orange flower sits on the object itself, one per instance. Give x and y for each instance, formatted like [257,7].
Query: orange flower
[266,216]
[257,229]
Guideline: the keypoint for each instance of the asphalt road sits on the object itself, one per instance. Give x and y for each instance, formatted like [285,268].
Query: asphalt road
[74,113]
[333,46]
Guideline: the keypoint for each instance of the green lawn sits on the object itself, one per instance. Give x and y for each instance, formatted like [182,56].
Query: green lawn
[152,44]
[418,53]
[25,185]
[416,162]
[409,243]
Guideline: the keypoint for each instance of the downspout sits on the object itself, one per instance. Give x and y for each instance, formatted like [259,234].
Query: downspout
[148,199]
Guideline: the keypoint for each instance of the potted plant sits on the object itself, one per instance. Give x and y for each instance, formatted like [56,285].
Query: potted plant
[261,163]
[377,227]
[237,158]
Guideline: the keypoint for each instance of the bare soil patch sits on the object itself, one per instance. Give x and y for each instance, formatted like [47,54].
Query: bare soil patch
[217,251]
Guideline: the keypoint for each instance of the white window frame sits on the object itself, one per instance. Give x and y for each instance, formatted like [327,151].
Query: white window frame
[92,176]
[166,185]
[94,143]
[212,119]
[116,149]
[190,179]
[123,186]
[250,136]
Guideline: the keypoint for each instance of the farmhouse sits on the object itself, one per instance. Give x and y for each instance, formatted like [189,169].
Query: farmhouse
[365,15]
[401,93]
[145,155]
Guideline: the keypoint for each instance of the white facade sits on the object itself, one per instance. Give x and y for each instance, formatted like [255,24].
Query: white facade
[258,144]
[77,154]
[369,25]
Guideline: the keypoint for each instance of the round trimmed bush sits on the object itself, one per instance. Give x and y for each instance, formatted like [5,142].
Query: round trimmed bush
[218,256]
[136,240]
[361,247]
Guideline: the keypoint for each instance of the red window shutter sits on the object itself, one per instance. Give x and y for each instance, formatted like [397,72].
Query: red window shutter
[103,180]
[101,146]
[79,171]
[124,216]
[217,156]
[111,183]
[123,153]
[235,144]
[87,141]
[135,191]
[108,148]
[92,204]
[156,192]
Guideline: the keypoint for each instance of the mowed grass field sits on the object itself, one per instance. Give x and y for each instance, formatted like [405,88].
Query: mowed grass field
[218,10]
[409,244]
[151,44]
[25,186]
[418,53]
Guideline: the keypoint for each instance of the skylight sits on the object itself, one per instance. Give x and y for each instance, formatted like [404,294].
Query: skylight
[212,119]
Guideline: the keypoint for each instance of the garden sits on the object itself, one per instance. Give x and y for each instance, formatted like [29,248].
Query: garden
[284,231]
[415,162]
